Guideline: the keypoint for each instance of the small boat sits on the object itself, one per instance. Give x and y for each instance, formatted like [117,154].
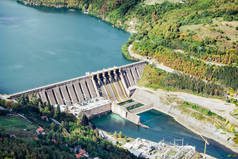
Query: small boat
[72,10]
[86,11]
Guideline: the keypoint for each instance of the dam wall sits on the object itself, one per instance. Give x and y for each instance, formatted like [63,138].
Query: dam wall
[117,109]
[97,111]
[113,84]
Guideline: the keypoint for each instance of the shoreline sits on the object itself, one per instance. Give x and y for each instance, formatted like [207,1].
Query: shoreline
[181,119]
[110,138]
[189,126]
[205,134]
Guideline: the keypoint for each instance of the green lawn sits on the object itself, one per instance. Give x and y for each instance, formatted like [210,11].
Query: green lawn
[15,125]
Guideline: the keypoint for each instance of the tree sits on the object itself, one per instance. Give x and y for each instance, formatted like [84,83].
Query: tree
[115,134]
[120,134]
[57,111]
[23,100]
[82,120]
[52,126]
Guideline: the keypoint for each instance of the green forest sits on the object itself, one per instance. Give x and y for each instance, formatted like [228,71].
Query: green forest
[18,137]
[156,78]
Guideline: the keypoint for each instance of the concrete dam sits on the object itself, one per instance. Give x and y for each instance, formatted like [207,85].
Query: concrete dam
[113,84]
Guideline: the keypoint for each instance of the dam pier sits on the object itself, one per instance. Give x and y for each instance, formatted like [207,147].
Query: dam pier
[95,93]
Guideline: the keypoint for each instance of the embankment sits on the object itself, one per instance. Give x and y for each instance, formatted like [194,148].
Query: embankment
[160,100]
[125,114]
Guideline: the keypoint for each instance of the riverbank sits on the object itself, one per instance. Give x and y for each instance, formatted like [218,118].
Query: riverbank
[166,102]
[149,149]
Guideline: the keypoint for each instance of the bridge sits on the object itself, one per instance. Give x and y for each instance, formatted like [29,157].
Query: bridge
[113,84]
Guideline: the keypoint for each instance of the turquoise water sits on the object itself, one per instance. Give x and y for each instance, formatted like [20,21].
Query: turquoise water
[162,127]
[43,46]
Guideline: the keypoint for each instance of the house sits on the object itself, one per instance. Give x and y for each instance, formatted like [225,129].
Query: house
[78,155]
[12,136]
[136,153]
[40,130]
[53,140]
[83,152]
[44,118]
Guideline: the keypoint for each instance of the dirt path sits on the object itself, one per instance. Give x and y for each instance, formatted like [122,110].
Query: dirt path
[206,62]
[151,61]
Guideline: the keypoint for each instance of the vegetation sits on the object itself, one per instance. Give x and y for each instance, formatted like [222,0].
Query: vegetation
[157,78]
[14,124]
[203,111]
[184,36]
[125,52]
[18,137]
[204,114]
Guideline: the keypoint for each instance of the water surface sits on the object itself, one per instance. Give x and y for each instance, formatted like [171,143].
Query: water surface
[162,127]
[43,46]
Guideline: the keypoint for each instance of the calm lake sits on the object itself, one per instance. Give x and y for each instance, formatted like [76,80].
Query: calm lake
[43,46]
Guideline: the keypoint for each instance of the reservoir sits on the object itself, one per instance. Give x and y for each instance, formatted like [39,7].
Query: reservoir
[162,127]
[43,46]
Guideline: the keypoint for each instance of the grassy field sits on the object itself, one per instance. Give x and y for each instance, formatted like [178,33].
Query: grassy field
[153,2]
[225,33]
[17,126]
[201,113]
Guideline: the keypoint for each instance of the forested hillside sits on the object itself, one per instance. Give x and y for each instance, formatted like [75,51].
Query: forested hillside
[156,78]
[31,129]
[196,37]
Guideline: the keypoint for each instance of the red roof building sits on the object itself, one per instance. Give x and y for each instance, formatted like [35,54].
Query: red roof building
[82,151]
[44,118]
[78,156]
[53,140]
[39,130]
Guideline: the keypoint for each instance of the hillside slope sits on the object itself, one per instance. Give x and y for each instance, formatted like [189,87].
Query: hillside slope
[196,37]
[31,129]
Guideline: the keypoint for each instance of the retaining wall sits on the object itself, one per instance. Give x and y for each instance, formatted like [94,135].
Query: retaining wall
[117,109]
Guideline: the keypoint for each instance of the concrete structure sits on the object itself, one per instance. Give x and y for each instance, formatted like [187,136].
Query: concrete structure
[113,84]
[96,108]
[94,94]
[149,149]
[92,108]
[124,113]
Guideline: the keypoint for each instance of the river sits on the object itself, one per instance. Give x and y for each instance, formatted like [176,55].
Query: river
[162,127]
[43,46]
